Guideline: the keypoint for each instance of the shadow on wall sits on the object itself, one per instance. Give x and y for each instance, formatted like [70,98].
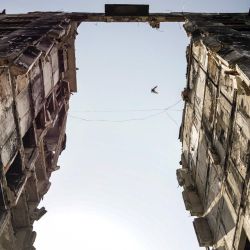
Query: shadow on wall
[220,220]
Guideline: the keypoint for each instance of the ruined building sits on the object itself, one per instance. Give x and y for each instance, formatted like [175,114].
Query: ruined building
[215,130]
[37,75]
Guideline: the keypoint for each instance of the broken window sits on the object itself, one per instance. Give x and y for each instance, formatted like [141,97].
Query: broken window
[244,243]
[247,245]
[29,143]
[59,94]
[50,107]
[221,136]
[50,104]
[41,119]
[61,61]
[14,175]
[29,139]
[2,199]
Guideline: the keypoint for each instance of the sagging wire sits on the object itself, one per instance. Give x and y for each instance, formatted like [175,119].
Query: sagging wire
[118,110]
[172,119]
[122,110]
[131,119]
[125,120]
[128,110]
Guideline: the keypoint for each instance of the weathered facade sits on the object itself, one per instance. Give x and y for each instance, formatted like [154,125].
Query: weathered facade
[215,131]
[37,75]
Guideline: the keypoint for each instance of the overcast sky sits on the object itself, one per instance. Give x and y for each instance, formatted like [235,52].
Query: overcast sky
[117,189]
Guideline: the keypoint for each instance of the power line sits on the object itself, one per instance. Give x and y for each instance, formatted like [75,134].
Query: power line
[118,110]
[173,105]
[172,119]
[128,110]
[125,120]
[131,119]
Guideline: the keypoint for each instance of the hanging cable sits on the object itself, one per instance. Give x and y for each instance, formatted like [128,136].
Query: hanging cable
[125,120]
[172,119]
[117,110]
[127,110]
[128,120]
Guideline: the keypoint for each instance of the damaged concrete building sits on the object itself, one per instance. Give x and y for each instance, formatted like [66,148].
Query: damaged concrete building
[215,130]
[38,73]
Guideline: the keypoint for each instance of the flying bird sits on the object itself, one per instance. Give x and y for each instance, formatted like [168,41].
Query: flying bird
[153,90]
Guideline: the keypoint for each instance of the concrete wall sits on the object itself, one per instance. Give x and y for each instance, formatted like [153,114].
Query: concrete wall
[35,85]
[215,133]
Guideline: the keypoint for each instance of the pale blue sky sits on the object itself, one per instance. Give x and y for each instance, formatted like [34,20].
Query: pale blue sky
[116,188]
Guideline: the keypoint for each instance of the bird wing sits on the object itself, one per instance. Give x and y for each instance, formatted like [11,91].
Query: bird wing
[153,90]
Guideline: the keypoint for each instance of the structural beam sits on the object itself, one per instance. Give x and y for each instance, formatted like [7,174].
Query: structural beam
[151,17]
[102,17]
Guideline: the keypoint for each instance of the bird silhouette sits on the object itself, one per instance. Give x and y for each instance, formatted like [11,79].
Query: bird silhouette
[153,90]
[3,12]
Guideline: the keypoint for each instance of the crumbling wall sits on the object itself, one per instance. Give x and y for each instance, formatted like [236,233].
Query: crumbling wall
[36,80]
[215,131]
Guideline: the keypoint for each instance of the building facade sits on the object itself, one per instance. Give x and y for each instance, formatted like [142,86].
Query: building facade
[215,130]
[37,75]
